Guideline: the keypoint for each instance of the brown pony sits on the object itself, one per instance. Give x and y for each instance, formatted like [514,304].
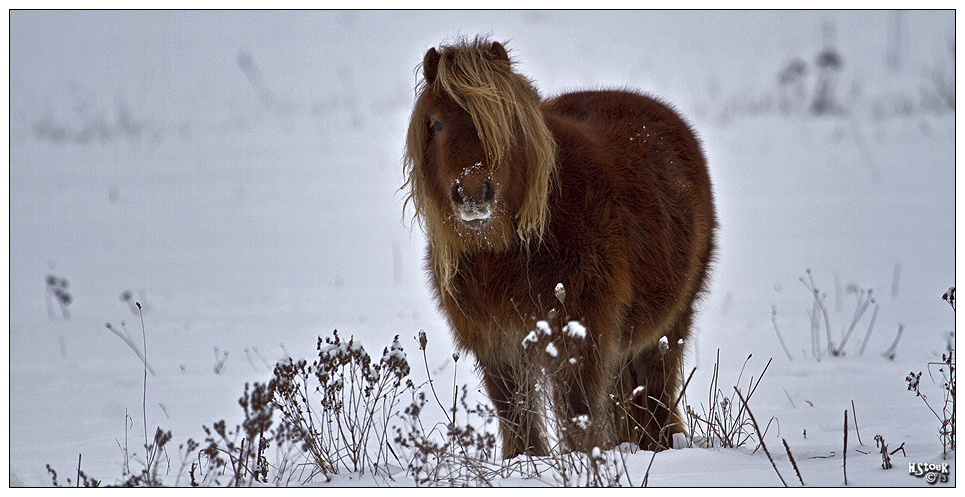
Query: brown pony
[568,240]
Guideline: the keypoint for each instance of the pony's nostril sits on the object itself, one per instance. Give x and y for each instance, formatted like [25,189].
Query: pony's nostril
[488,191]
[461,196]
[458,193]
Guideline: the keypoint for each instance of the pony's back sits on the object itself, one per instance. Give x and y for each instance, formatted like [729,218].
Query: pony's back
[640,154]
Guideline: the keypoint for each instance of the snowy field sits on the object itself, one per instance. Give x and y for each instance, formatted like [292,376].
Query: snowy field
[238,174]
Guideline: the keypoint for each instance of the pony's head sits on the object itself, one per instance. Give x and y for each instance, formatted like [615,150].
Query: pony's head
[480,159]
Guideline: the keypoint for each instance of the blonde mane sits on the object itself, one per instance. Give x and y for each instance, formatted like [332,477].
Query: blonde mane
[505,107]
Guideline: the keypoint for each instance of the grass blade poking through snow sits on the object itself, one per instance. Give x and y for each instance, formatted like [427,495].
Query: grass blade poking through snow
[147,448]
[759,436]
[793,463]
[854,415]
[844,455]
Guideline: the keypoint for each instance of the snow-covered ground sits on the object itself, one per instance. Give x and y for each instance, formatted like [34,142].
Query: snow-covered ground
[238,174]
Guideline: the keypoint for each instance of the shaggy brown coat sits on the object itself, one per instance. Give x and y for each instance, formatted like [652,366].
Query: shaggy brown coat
[568,242]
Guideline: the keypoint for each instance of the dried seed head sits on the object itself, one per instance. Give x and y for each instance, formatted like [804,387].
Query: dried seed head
[560,292]
[663,346]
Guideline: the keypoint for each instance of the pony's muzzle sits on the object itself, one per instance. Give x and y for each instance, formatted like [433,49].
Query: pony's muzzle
[474,206]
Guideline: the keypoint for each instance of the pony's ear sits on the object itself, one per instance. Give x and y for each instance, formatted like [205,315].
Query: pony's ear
[430,65]
[498,51]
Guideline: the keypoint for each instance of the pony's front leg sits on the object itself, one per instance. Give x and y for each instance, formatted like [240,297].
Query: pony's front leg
[581,383]
[512,390]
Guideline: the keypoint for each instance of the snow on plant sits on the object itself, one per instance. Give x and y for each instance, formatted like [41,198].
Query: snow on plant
[542,335]
[344,421]
[574,329]
[663,346]
[543,329]
[447,453]
[598,468]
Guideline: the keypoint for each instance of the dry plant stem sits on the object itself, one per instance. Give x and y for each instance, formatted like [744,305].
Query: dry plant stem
[130,343]
[144,391]
[885,459]
[871,325]
[712,400]
[815,338]
[455,389]
[626,470]
[683,390]
[815,319]
[901,448]
[859,311]
[789,398]
[759,436]
[854,414]
[890,353]
[759,378]
[127,459]
[793,463]
[725,421]
[827,327]
[750,393]
[844,455]
[432,387]
[646,475]
[778,332]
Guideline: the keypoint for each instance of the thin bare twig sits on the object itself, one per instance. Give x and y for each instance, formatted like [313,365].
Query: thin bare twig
[859,311]
[854,414]
[646,476]
[759,436]
[130,343]
[683,390]
[147,446]
[890,353]
[844,455]
[776,330]
[815,318]
[793,464]
[901,448]
[871,325]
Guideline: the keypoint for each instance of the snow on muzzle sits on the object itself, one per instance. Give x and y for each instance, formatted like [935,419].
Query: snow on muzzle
[474,205]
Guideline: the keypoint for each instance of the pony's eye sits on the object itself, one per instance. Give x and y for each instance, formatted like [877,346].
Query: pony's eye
[437,125]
